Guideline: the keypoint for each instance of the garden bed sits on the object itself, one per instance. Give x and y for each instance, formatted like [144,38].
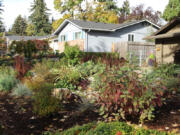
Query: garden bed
[16,117]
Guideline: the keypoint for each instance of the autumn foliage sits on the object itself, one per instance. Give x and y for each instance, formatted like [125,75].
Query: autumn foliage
[124,95]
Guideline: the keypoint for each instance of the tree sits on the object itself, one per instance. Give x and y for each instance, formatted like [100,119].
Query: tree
[19,26]
[172,10]
[2,29]
[68,6]
[110,5]
[124,11]
[98,14]
[40,18]
[30,30]
[58,22]
[138,13]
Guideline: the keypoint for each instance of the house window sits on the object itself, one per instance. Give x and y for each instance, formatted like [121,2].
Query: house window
[63,38]
[77,35]
[131,37]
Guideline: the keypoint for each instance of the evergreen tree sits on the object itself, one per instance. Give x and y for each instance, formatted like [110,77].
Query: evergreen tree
[110,5]
[2,29]
[19,26]
[172,10]
[125,10]
[40,18]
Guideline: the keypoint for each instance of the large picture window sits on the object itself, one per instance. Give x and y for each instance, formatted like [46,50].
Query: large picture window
[131,37]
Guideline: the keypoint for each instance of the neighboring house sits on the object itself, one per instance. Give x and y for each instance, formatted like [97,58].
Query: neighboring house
[167,41]
[53,43]
[99,37]
[10,39]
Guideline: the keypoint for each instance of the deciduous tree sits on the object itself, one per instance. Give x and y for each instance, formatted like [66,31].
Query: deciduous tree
[58,22]
[68,6]
[30,30]
[172,10]
[139,13]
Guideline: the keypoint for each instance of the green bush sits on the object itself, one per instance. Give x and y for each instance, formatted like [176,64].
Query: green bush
[113,128]
[68,77]
[21,90]
[44,103]
[7,78]
[72,53]
[167,75]
[90,68]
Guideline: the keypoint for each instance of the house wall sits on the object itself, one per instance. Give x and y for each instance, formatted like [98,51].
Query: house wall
[102,41]
[166,49]
[69,31]
[79,42]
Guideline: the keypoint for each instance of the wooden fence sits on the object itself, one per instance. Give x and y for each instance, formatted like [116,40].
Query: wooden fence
[140,50]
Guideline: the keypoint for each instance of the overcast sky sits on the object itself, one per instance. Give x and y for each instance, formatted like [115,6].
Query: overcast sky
[12,8]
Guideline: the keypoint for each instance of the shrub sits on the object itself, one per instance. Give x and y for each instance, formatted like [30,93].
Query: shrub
[113,128]
[44,103]
[90,68]
[68,77]
[21,90]
[7,79]
[72,53]
[124,95]
[29,48]
[165,74]
[109,59]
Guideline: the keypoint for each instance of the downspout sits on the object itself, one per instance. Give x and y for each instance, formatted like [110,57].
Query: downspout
[87,40]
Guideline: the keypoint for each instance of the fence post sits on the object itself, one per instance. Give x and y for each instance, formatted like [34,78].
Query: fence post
[140,58]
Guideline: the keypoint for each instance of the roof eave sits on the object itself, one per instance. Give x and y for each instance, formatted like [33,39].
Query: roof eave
[137,23]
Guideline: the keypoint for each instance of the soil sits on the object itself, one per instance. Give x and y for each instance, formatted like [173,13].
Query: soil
[168,118]
[17,117]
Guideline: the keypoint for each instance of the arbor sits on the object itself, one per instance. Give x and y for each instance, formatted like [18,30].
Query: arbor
[40,18]
[172,10]
[19,26]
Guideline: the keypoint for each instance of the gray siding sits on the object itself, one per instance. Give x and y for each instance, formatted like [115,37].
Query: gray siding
[69,31]
[102,41]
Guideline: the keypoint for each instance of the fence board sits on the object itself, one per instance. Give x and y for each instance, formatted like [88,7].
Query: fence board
[138,49]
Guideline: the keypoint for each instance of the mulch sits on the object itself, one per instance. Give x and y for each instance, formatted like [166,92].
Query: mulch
[17,117]
[168,118]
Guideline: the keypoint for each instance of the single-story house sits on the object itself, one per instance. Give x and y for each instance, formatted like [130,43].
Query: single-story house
[11,38]
[167,41]
[99,37]
[53,43]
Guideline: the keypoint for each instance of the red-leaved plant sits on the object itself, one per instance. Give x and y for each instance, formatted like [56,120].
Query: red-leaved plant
[124,95]
[21,67]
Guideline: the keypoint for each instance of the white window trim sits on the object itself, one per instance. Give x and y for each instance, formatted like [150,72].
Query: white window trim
[76,33]
[64,38]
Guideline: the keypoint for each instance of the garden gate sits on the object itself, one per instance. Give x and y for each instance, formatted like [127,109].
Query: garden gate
[138,49]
